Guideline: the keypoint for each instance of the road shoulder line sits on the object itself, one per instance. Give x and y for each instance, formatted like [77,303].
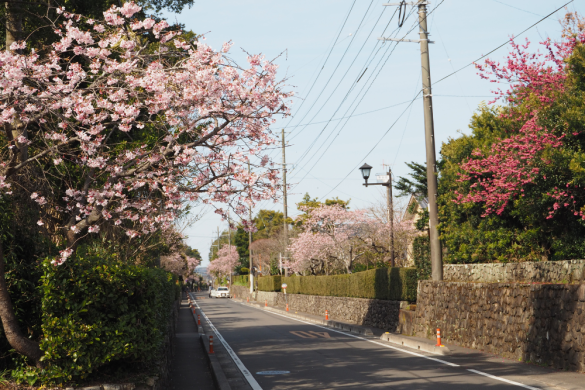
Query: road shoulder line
[245,372]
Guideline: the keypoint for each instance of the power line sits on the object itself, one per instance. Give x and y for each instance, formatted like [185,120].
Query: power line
[366,66]
[505,43]
[379,71]
[393,124]
[337,66]
[326,59]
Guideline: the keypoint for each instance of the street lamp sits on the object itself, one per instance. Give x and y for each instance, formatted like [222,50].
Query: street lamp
[366,169]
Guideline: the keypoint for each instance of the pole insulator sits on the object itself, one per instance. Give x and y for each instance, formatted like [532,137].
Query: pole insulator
[198,319]
[326,314]
[439,338]
[287,307]
[210,344]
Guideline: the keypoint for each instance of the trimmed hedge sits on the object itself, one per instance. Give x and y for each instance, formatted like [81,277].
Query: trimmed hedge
[422,257]
[98,311]
[241,280]
[395,284]
[269,283]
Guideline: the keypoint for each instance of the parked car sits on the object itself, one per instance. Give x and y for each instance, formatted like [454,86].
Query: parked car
[221,292]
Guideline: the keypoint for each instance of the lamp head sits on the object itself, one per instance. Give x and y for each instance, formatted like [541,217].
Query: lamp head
[366,169]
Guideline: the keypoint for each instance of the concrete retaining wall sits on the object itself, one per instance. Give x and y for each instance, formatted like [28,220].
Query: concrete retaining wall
[566,271]
[540,323]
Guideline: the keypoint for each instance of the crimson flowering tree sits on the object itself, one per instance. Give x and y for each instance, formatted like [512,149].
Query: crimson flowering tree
[503,171]
[122,122]
[226,261]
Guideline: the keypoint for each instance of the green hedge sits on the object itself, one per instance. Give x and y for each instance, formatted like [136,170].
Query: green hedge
[241,280]
[98,311]
[269,283]
[396,284]
[422,257]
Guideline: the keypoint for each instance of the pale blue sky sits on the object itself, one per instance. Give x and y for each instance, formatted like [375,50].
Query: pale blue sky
[302,33]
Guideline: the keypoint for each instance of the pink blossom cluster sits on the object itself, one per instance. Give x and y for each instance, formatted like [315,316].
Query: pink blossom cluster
[226,261]
[101,80]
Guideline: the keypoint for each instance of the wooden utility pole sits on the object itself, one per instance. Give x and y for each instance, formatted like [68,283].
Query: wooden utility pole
[285,207]
[250,276]
[435,243]
[391,217]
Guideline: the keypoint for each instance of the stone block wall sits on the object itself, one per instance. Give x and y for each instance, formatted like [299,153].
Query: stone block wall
[566,271]
[369,312]
[540,323]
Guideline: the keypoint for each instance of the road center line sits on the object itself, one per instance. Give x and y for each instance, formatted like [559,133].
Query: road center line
[399,349]
[247,374]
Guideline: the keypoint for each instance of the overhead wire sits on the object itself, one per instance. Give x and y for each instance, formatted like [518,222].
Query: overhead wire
[391,126]
[447,76]
[305,153]
[363,95]
[336,67]
[326,59]
[505,43]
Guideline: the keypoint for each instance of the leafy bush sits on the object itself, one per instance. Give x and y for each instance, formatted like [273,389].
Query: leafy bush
[398,284]
[269,283]
[422,257]
[241,280]
[98,310]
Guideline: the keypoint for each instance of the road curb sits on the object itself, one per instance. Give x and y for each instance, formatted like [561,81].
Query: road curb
[219,377]
[217,373]
[415,344]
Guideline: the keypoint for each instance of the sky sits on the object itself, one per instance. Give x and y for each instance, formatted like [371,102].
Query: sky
[353,93]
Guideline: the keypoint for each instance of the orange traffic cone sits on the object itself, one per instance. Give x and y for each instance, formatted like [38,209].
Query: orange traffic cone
[326,314]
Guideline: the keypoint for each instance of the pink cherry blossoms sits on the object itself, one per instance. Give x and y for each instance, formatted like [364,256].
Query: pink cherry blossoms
[103,85]
[226,261]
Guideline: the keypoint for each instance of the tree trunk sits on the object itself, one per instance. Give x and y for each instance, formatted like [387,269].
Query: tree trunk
[13,23]
[15,337]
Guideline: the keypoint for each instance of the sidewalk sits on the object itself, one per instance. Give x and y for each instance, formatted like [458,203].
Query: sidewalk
[190,369]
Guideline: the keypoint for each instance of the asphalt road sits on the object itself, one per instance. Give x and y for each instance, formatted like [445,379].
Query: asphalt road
[322,358]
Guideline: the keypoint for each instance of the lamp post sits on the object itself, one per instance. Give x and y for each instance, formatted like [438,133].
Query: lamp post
[366,170]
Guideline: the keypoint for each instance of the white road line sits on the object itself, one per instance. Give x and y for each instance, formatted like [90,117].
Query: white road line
[504,380]
[249,377]
[399,349]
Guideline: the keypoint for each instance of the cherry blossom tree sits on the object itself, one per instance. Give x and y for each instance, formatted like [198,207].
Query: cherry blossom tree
[121,122]
[226,261]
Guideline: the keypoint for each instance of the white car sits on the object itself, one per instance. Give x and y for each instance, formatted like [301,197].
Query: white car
[221,292]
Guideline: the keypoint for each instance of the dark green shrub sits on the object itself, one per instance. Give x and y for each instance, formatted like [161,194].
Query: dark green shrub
[270,283]
[97,311]
[422,257]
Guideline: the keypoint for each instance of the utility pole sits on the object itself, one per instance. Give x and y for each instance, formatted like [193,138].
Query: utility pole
[285,207]
[435,243]
[390,216]
[230,245]
[251,277]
